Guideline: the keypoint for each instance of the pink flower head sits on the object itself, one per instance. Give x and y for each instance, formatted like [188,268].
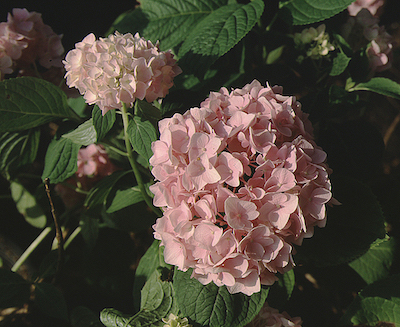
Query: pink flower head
[239,179]
[270,317]
[118,69]
[25,39]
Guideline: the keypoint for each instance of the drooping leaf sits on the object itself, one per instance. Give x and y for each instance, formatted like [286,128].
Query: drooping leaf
[340,63]
[50,301]
[27,205]
[302,12]
[158,301]
[216,34]
[169,21]
[375,264]
[350,229]
[123,199]
[28,102]
[377,303]
[141,134]
[18,149]
[84,317]
[14,290]
[102,124]
[150,261]
[84,134]
[215,306]
[61,160]
[381,85]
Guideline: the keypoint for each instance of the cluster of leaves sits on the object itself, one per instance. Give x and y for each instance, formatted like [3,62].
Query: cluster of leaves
[218,43]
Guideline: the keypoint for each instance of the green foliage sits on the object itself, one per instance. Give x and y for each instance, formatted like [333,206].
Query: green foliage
[50,301]
[215,306]
[28,102]
[158,301]
[102,124]
[381,85]
[18,149]
[359,213]
[141,134]
[123,198]
[340,63]
[84,317]
[377,303]
[14,290]
[27,205]
[302,12]
[84,134]
[61,160]
[90,230]
[375,264]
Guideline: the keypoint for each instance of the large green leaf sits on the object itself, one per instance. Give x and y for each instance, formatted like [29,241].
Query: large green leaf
[27,205]
[141,134]
[302,12]
[50,301]
[375,264]
[84,134]
[350,229]
[215,306]
[377,303]
[216,34]
[28,102]
[124,198]
[157,302]
[18,149]
[14,290]
[102,124]
[169,21]
[61,160]
[381,85]
[151,260]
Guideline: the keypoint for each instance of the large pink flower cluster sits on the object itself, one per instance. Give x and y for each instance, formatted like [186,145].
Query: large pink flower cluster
[239,179]
[24,38]
[118,69]
[270,317]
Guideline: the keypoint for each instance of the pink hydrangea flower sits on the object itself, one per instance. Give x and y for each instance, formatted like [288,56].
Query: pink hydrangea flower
[93,165]
[24,39]
[270,317]
[371,5]
[240,180]
[118,69]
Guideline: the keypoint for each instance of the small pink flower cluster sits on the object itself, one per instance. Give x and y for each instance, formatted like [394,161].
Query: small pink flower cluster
[93,165]
[365,25]
[270,317]
[372,5]
[118,69]
[240,180]
[24,38]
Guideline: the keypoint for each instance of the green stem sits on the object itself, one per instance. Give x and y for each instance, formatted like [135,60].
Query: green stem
[133,163]
[74,234]
[31,248]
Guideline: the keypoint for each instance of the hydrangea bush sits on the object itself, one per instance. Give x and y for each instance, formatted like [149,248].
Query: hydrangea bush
[217,156]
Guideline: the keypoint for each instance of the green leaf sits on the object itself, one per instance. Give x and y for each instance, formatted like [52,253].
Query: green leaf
[288,282]
[102,124]
[274,55]
[359,214]
[28,102]
[18,149]
[215,306]
[123,199]
[381,85]
[157,302]
[216,34]
[84,134]
[98,193]
[27,205]
[14,290]
[50,301]
[151,260]
[169,21]
[378,302]
[84,317]
[375,264]
[340,63]
[147,111]
[78,104]
[89,230]
[142,134]
[61,160]
[302,12]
